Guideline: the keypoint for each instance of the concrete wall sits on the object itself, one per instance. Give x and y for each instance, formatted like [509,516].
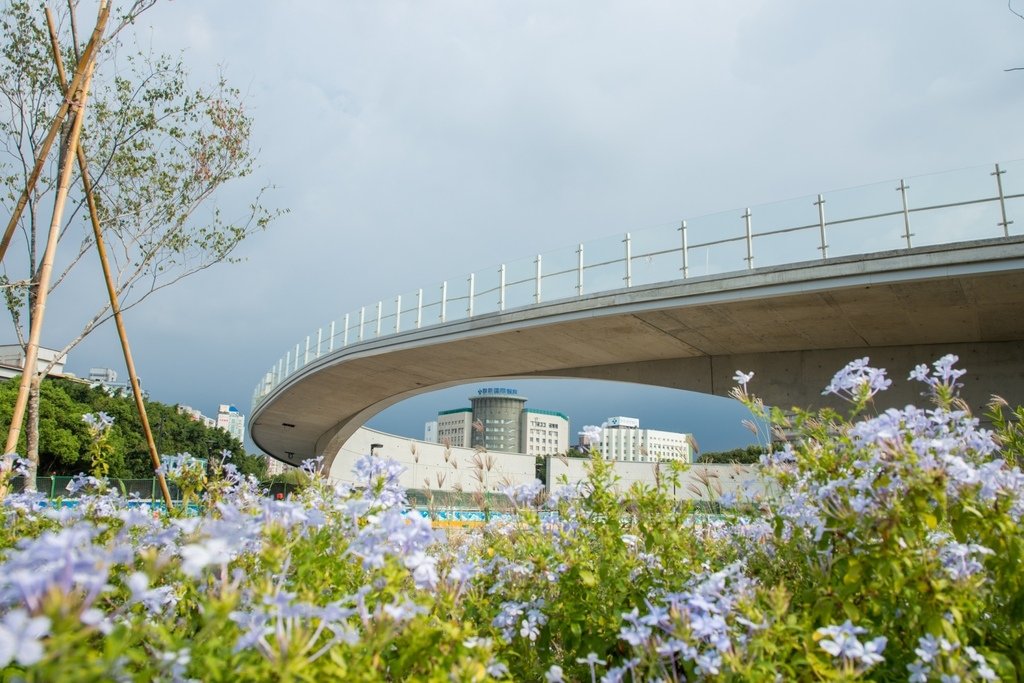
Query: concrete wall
[424,462]
[693,484]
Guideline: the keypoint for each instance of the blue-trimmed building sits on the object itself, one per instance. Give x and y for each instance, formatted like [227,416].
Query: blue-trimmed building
[499,421]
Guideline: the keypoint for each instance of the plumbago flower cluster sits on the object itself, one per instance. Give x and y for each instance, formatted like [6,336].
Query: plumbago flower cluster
[880,547]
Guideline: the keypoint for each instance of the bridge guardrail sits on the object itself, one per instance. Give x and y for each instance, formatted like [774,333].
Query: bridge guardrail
[941,208]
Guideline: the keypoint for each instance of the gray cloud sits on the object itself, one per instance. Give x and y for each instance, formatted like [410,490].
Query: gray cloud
[415,142]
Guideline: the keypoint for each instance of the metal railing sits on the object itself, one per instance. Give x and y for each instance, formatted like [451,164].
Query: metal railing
[941,208]
[142,490]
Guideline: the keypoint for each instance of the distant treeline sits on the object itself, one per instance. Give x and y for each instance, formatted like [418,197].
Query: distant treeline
[740,456]
[64,438]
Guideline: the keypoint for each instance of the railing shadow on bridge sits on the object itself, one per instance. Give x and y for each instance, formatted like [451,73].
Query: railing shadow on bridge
[941,208]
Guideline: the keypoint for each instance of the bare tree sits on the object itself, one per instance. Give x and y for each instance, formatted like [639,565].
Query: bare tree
[159,151]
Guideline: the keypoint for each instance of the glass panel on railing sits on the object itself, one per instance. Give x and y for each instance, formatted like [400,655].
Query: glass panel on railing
[717,244]
[487,289]
[1013,177]
[431,313]
[604,265]
[1013,191]
[458,299]
[955,224]
[389,315]
[786,232]
[865,219]
[954,207]
[657,254]
[329,342]
[356,326]
[520,282]
[407,314]
[1015,216]
[561,274]
[343,332]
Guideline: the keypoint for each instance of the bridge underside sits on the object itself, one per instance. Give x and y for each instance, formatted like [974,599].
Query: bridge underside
[793,326]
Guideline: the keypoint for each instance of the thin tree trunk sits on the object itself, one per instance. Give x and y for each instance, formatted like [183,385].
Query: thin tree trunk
[32,432]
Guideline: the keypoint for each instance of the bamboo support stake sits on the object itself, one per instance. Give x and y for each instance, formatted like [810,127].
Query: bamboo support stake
[46,267]
[115,306]
[88,57]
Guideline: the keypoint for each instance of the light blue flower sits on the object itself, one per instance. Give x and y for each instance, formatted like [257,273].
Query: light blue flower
[858,381]
[742,378]
[21,636]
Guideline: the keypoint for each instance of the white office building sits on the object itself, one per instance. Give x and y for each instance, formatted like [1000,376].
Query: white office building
[621,438]
[107,378]
[430,432]
[545,432]
[454,427]
[231,420]
[12,360]
[197,416]
[500,422]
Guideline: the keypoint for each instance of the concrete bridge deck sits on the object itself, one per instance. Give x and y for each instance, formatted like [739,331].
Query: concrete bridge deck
[794,325]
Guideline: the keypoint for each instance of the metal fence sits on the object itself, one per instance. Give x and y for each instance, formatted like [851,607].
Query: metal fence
[142,489]
[941,208]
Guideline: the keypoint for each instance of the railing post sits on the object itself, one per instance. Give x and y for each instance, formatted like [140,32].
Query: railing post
[297,366]
[629,260]
[288,363]
[380,310]
[750,239]
[501,287]
[906,212]
[419,307]
[344,336]
[398,314]
[280,370]
[362,321]
[305,358]
[1002,200]
[536,291]
[821,225]
[444,300]
[319,340]
[469,307]
[579,270]
[686,252]
[330,341]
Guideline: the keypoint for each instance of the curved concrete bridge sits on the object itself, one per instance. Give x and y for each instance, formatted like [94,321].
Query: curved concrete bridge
[793,324]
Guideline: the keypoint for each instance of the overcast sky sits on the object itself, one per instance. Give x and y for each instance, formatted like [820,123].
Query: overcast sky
[418,141]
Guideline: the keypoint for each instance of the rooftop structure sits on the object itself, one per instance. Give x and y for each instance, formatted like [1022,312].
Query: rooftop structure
[621,438]
[500,422]
[12,361]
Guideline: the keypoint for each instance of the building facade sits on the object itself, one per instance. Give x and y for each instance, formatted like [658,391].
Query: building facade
[107,378]
[231,420]
[497,416]
[545,432]
[621,438]
[12,361]
[430,432]
[499,421]
[197,416]
[454,426]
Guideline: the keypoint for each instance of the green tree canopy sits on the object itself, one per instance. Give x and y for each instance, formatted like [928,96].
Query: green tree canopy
[64,436]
